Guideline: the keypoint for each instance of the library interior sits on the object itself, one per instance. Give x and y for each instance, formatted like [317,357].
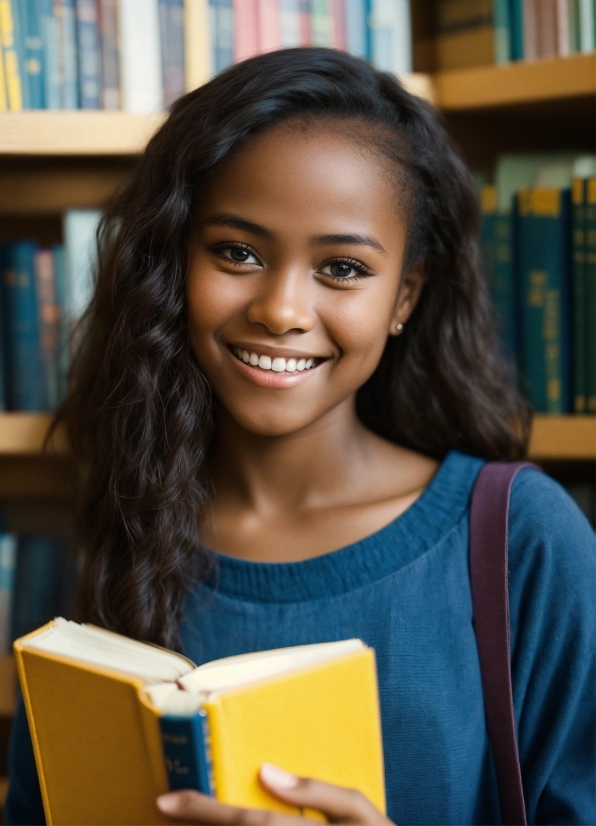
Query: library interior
[85,83]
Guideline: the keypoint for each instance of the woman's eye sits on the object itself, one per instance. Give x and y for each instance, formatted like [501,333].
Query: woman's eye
[345,270]
[237,254]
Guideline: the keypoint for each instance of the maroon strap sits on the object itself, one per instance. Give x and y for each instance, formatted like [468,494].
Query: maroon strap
[489,517]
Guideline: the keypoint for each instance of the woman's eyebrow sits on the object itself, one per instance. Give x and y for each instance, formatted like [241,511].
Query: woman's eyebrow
[228,219]
[361,240]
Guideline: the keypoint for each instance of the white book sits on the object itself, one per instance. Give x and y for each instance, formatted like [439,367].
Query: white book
[79,230]
[391,34]
[140,56]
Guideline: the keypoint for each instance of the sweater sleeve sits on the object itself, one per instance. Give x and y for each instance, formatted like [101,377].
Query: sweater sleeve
[23,801]
[552,576]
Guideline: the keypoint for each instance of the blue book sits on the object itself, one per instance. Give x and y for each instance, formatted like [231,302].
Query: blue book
[68,57]
[52,76]
[516,29]
[38,585]
[544,255]
[8,548]
[171,25]
[87,25]
[186,751]
[221,23]
[355,11]
[33,76]
[20,319]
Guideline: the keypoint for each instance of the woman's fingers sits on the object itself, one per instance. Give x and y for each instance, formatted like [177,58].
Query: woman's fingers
[193,807]
[338,804]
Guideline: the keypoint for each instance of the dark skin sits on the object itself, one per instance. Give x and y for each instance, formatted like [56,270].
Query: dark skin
[298,252]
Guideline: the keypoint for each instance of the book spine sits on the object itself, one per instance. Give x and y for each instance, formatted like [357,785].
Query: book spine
[321,23]
[547,28]
[140,59]
[171,18]
[289,16]
[45,278]
[269,26]
[68,61]
[591,295]
[37,583]
[88,53]
[110,59]
[3,93]
[52,86]
[502,29]
[187,752]
[8,553]
[221,24]
[586,25]
[545,257]
[79,231]
[355,11]
[22,331]
[12,74]
[574,36]
[563,27]
[516,22]
[33,76]
[578,241]
[197,43]
[246,29]
[305,22]
[530,29]
[338,16]
[63,319]
[504,280]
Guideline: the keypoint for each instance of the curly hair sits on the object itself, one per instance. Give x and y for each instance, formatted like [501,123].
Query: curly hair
[138,411]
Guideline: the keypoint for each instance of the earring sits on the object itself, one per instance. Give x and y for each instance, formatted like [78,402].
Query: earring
[399,327]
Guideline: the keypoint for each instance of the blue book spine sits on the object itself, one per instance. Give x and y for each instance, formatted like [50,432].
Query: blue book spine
[8,546]
[171,23]
[24,388]
[68,41]
[368,31]
[50,34]
[37,583]
[516,29]
[355,11]
[187,753]
[221,20]
[33,77]
[88,54]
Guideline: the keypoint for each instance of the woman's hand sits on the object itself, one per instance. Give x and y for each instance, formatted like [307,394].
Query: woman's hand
[339,805]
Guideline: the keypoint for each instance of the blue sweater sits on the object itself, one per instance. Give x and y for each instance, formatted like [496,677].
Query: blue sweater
[405,591]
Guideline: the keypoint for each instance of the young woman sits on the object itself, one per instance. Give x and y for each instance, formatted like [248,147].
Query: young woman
[289,381]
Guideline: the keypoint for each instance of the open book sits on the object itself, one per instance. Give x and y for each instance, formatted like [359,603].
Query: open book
[115,722]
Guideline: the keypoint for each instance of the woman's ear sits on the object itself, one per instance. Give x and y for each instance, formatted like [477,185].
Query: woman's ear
[408,296]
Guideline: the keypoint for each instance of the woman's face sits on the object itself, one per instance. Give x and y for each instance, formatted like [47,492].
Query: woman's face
[294,282]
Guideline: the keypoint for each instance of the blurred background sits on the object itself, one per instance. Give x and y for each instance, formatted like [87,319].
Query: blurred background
[84,84]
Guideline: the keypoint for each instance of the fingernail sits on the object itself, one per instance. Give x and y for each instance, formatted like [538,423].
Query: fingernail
[275,776]
[168,803]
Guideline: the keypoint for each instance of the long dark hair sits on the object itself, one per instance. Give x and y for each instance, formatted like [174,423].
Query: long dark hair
[138,413]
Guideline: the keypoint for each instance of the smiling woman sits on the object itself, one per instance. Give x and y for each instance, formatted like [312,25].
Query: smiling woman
[288,384]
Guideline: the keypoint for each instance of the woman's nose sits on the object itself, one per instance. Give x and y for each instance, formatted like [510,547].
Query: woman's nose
[282,303]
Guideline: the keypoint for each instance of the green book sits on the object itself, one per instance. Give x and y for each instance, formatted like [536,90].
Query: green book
[498,262]
[578,277]
[502,31]
[590,275]
[544,266]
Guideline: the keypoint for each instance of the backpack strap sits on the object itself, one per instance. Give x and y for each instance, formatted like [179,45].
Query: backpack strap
[489,518]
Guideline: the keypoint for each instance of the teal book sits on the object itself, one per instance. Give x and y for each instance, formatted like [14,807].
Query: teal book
[187,752]
[544,260]
[33,66]
[20,320]
[89,76]
[52,76]
[221,22]
[516,29]
[499,265]
[355,11]
[591,294]
[502,31]
[578,252]
[65,11]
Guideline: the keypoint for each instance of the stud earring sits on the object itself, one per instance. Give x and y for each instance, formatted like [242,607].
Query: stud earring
[399,327]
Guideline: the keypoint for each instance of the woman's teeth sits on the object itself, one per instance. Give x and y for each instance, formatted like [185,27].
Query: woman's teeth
[277,365]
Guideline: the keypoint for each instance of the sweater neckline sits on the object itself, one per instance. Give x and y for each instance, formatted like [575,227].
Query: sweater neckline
[438,509]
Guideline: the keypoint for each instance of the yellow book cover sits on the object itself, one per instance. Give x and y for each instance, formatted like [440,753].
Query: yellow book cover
[97,735]
[3,99]
[12,77]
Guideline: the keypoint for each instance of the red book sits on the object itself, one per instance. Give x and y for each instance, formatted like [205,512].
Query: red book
[305,37]
[246,29]
[338,15]
[269,26]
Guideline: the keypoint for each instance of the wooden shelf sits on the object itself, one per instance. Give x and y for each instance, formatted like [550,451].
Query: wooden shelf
[564,438]
[516,83]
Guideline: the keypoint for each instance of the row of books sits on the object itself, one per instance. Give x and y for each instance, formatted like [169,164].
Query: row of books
[37,582]
[130,54]
[43,292]
[479,32]
[539,251]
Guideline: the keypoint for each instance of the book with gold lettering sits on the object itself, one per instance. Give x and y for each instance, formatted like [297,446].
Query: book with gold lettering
[115,722]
